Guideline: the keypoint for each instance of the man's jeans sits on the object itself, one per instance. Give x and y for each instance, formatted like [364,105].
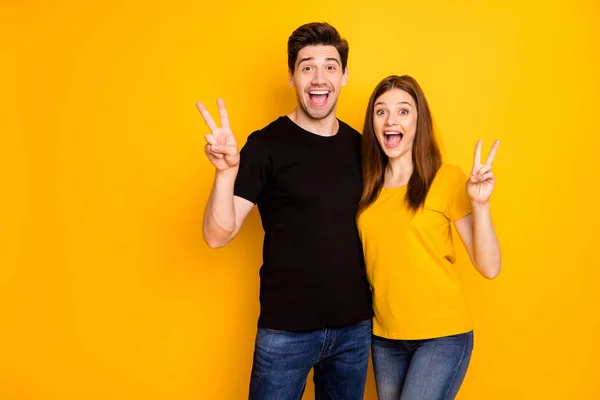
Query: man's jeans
[282,361]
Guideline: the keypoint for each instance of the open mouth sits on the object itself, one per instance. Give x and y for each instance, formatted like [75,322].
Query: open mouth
[392,139]
[318,98]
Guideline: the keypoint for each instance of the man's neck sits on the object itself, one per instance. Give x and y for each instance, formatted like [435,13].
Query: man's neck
[327,126]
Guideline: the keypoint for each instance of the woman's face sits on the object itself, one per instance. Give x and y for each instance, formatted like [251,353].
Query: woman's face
[395,122]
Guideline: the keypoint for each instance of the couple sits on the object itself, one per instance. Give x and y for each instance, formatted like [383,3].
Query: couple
[328,196]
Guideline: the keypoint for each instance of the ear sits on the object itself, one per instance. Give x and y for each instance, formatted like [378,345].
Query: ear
[291,78]
[345,77]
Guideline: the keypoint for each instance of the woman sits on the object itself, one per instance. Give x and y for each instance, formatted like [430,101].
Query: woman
[422,334]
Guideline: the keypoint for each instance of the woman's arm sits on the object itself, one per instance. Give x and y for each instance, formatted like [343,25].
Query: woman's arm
[476,230]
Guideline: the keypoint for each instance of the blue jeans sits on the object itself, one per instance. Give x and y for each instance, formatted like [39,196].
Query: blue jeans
[282,361]
[430,369]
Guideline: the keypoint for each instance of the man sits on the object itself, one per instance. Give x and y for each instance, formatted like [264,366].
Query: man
[303,172]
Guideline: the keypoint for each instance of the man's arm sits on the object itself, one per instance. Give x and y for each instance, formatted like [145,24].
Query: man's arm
[225,213]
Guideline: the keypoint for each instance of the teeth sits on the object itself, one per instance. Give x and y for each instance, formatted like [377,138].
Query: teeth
[392,133]
[318,92]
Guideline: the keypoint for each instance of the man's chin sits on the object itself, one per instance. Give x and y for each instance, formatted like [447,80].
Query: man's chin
[319,116]
[319,113]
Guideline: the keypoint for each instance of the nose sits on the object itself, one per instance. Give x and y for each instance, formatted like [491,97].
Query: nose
[391,120]
[318,76]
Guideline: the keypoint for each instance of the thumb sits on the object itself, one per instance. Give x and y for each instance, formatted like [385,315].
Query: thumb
[224,149]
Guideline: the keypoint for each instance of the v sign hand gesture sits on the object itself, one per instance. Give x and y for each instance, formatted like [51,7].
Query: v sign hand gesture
[481,182]
[221,148]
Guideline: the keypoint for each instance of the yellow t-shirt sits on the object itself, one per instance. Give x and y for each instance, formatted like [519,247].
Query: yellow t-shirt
[409,257]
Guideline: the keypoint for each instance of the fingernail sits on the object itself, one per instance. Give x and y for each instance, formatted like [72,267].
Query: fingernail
[214,147]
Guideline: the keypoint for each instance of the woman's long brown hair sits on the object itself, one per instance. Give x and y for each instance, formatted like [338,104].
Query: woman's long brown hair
[426,155]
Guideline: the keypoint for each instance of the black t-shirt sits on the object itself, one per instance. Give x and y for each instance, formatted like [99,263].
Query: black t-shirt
[307,189]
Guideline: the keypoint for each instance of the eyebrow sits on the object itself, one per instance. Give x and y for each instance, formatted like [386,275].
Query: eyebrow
[400,102]
[312,58]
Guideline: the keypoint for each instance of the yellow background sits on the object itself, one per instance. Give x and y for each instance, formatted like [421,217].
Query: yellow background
[107,290]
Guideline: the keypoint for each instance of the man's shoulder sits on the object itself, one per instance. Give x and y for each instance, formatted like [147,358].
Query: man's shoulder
[262,137]
[348,130]
[346,127]
[272,128]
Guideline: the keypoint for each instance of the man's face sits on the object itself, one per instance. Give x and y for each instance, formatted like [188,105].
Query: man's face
[318,78]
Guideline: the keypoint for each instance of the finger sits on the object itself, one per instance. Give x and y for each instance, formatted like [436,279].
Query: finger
[224,149]
[213,156]
[477,156]
[223,114]
[210,153]
[484,169]
[488,177]
[206,116]
[210,139]
[492,154]
[230,140]
[475,178]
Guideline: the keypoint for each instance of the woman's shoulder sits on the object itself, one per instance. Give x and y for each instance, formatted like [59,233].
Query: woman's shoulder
[450,172]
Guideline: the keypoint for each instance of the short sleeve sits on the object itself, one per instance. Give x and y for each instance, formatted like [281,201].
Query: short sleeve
[459,204]
[254,170]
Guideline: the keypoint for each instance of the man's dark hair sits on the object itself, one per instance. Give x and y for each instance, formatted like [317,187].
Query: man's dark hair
[314,34]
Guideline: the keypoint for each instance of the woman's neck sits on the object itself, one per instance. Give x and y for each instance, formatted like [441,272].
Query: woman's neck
[398,171]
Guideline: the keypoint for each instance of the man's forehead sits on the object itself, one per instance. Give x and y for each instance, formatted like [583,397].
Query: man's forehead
[318,52]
